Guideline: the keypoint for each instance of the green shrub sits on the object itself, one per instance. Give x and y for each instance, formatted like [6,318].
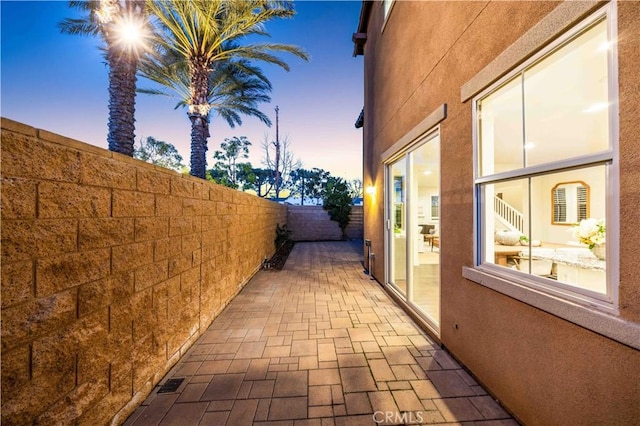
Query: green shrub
[338,203]
[283,236]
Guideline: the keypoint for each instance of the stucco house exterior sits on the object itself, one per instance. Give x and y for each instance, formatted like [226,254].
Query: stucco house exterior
[491,128]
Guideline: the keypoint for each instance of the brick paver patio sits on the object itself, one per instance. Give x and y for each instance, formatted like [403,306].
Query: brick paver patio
[317,343]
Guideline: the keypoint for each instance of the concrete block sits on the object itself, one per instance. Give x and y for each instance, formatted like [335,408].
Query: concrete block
[183,225]
[98,170]
[131,256]
[181,187]
[191,242]
[27,157]
[200,191]
[69,408]
[18,198]
[27,321]
[153,181]
[151,228]
[167,205]
[60,200]
[16,367]
[105,232]
[153,273]
[17,282]
[27,402]
[121,392]
[101,293]
[179,264]
[30,239]
[191,207]
[162,248]
[130,204]
[71,270]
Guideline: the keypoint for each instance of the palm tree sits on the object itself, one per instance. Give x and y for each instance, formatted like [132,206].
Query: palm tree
[236,87]
[205,35]
[113,20]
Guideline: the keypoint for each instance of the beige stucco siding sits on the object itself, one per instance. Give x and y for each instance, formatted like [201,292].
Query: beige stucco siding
[545,369]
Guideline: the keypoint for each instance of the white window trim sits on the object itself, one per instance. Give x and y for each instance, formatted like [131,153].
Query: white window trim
[581,307]
[407,145]
[385,16]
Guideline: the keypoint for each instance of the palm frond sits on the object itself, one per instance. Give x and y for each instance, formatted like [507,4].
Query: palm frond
[78,26]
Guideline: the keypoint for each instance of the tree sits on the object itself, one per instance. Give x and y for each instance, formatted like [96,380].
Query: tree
[309,184]
[115,22]
[258,180]
[338,202]
[235,88]
[230,170]
[279,160]
[299,181]
[355,188]
[160,153]
[317,183]
[204,34]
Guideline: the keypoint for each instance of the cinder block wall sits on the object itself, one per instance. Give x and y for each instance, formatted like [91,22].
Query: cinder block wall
[312,223]
[111,268]
[355,229]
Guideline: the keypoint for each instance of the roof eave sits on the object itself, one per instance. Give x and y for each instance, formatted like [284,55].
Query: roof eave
[360,37]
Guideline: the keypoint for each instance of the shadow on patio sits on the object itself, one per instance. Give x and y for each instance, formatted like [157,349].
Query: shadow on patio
[316,343]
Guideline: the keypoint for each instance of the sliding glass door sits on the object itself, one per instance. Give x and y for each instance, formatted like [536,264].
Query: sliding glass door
[398,221]
[413,234]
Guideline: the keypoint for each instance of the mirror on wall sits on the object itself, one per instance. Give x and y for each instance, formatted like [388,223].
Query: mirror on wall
[569,203]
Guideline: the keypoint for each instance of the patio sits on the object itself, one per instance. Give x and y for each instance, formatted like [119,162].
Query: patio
[317,343]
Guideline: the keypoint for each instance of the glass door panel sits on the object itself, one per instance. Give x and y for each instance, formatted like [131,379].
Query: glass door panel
[425,215]
[397,203]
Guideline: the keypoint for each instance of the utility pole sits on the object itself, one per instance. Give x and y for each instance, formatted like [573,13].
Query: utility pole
[277,165]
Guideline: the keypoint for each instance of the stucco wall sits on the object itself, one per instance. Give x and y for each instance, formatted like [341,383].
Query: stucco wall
[111,268]
[546,370]
[312,223]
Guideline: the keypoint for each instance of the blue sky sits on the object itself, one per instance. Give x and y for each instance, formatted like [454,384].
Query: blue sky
[59,83]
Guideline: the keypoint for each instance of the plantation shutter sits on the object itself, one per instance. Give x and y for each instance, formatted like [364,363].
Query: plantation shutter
[560,205]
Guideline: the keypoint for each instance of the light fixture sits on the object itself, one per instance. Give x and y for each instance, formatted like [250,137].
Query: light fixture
[371,190]
[427,172]
[529,145]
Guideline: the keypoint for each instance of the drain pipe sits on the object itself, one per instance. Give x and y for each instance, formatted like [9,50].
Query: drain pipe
[370,257]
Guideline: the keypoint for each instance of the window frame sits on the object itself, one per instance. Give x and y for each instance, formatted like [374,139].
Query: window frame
[386,12]
[609,158]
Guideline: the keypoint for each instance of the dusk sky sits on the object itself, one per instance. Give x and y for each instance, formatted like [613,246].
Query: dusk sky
[58,82]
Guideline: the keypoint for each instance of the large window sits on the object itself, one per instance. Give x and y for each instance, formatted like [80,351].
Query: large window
[548,128]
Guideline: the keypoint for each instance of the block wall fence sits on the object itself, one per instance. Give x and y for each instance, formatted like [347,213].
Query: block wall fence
[312,223]
[111,269]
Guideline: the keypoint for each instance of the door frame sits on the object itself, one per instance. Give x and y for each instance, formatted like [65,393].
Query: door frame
[388,159]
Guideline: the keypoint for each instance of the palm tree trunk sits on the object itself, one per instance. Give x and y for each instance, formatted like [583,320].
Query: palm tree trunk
[199,135]
[199,115]
[122,99]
